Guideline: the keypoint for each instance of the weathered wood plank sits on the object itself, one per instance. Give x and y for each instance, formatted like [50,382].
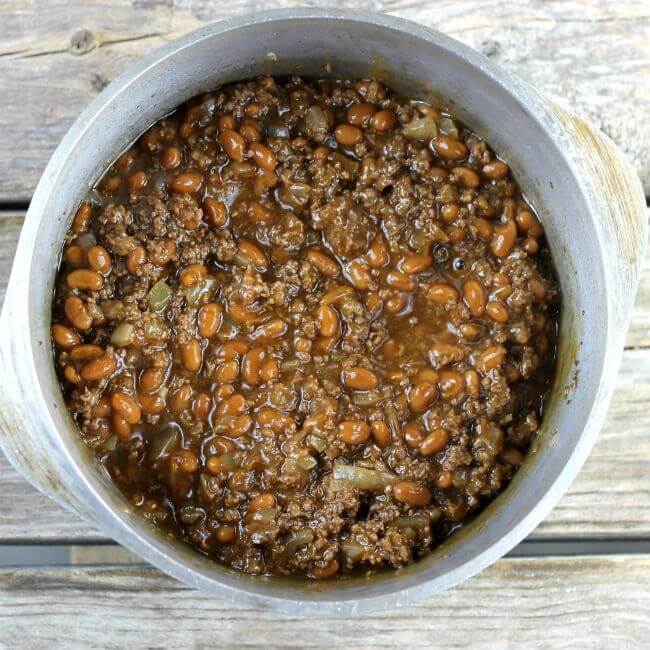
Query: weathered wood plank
[564,602]
[608,499]
[595,57]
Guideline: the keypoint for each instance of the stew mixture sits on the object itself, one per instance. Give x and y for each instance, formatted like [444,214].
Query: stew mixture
[308,327]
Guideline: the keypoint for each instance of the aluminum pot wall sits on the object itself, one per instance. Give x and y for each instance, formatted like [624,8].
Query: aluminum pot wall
[588,197]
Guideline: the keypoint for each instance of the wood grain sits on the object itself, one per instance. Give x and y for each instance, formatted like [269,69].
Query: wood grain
[594,57]
[539,603]
[610,497]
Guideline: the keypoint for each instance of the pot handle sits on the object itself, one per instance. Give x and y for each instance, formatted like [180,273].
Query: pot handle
[24,439]
[614,190]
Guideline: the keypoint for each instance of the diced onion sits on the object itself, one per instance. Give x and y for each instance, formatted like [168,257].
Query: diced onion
[360,477]
[122,335]
[298,539]
[159,295]
[447,126]
[352,550]
[421,128]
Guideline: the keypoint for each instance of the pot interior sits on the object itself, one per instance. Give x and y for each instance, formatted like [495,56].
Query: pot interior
[417,63]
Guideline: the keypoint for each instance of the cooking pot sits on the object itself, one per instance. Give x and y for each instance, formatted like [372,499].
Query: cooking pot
[588,198]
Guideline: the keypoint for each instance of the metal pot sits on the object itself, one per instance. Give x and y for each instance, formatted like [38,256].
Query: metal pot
[588,197]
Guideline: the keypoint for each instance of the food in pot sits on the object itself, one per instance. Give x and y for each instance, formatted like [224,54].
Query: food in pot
[307,326]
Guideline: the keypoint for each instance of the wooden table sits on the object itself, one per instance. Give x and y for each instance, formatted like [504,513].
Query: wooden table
[582,579]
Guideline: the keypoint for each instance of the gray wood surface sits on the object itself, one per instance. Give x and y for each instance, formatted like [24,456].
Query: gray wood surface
[56,55]
[610,498]
[536,603]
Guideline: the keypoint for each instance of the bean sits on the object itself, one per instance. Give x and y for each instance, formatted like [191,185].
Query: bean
[384,120]
[529,224]
[86,351]
[537,289]
[264,501]
[187,183]
[233,144]
[411,493]
[348,135]
[474,295]
[435,442]
[442,354]
[413,435]
[503,241]
[472,383]
[422,396]
[327,571]
[202,406]
[449,212]
[396,303]
[226,123]
[121,427]
[85,279]
[76,313]
[151,404]
[251,365]
[227,372]
[416,263]
[360,114]
[427,375]
[191,355]
[497,311]
[449,148]
[135,259]
[490,358]
[442,293]
[183,461]
[444,479]
[263,156]
[193,274]
[226,534]
[512,456]
[274,329]
[240,426]
[530,245]
[209,319]
[359,378]
[354,432]
[250,133]
[99,368]
[74,255]
[151,379]
[323,263]
[82,218]
[401,281]
[336,294]
[257,212]
[253,254]
[484,228]
[71,374]
[495,170]
[179,399]
[99,259]
[137,181]
[126,406]
[381,433]
[215,211]
[233,405]
[467,177]
[378,254]
[171,158]
[359,275]
[328,321]
[270,370]
[450,384]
